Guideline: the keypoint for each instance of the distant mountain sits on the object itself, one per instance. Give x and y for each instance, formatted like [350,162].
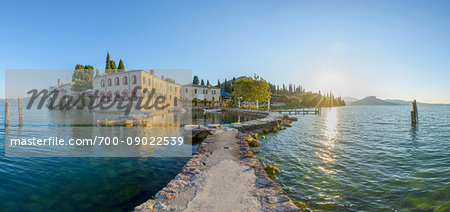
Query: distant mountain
[349,100]
[403,102]
[372,100]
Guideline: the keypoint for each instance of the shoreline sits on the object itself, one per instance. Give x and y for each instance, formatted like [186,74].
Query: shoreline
[224,173]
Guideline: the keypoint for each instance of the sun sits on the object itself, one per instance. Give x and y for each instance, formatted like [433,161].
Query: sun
[330,81]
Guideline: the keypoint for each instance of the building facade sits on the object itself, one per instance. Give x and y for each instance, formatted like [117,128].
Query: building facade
[122,85]
[200,92]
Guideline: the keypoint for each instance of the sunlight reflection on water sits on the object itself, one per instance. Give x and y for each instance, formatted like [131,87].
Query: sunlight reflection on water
[329,133]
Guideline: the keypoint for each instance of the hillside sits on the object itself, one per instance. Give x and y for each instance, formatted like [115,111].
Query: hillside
[372,100]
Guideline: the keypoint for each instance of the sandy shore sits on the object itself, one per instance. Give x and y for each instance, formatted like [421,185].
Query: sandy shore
[222,176]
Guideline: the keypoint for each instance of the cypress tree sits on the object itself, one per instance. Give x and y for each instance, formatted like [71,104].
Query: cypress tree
[195,81]
[207,82]
[113,67]
[203,82]
[97,74]
[121,66]
[218,83]
[225,86]
[108,64]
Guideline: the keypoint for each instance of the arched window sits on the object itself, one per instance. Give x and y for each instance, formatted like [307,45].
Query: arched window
[134,93]
[117,95]
[116,81]
[143,81]
[109,82]
[125,80]
[125,93]
[149,81]
[102,96]
[102,84]
[133,79]
[109,96]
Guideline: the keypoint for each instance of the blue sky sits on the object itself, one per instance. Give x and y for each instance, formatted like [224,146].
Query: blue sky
[391,49]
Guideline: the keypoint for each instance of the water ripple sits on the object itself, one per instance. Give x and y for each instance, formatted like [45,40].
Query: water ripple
[365,158]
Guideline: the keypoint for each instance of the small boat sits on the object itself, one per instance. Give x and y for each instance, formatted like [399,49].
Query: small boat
[212,110]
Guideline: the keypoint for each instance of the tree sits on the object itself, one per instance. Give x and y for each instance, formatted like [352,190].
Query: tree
[88,72]
[218,83]
[82,85]
[78,73]
[169,80]
[82,77]
[225,89]
[121,66]
[231,85]
[203,82]
[195,81]
[113,67]
[253,89]
[97,74]
[108,64]
[207,82]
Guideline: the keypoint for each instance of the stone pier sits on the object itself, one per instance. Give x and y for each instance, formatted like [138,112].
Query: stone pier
[223,175]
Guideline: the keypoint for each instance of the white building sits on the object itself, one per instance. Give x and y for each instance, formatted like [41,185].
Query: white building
[200,92]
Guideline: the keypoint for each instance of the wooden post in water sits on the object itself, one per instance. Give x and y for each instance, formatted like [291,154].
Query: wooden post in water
[414,113]
[6,112]
[20,112]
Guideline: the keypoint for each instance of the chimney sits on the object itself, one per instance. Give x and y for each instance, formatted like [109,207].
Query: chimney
[59,82]
[162,77]
[152,72]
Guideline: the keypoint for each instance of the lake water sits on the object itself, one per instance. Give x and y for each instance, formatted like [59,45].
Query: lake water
[83,184]
[365,158]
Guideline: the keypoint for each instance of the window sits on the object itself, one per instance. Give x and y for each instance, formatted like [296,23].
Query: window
[195,91]
[149,81]
[116,81]
[134,93]
[213,92]
[116,95]
[103,96]
[109,96]
[143,81]
[133,79]
[170,88]
[125,80]
[109,82]
[205,91]
[186,90]
[125,93]
[102,84]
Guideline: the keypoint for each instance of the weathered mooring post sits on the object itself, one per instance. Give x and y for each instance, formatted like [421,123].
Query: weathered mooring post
[414,113]
[6,112]
[19,103]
